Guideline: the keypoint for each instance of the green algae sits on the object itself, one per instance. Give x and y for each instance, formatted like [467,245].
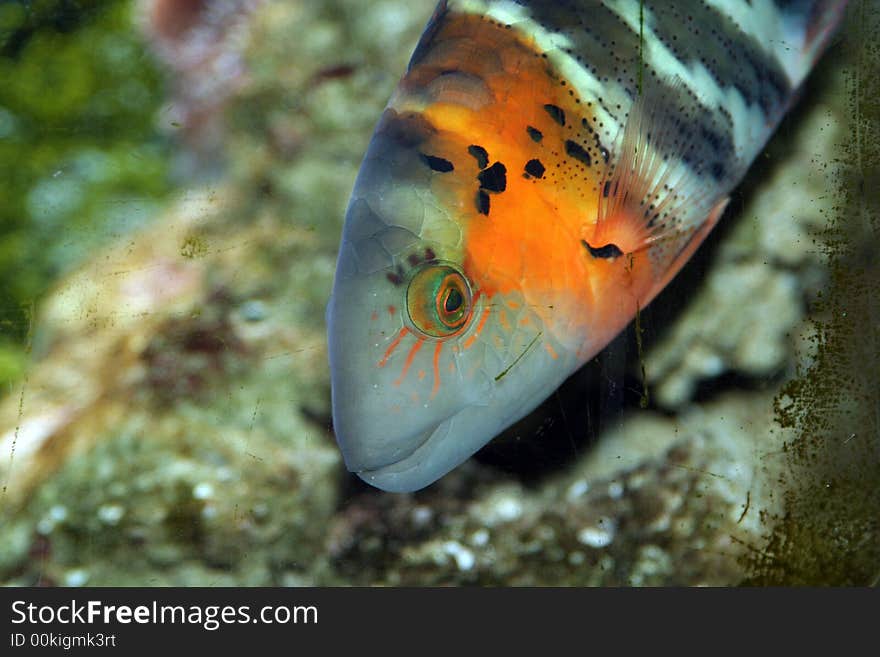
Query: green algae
[828,531]
[80,160]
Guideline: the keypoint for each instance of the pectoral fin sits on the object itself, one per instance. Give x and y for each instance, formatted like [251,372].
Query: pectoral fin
[656,189]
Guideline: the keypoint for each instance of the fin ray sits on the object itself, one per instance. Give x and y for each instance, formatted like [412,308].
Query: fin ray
[654,188]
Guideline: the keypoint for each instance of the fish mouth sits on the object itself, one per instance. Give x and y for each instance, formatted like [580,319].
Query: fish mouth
[414,470]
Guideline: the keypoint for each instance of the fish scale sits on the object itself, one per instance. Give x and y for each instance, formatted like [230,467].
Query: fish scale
[541,172]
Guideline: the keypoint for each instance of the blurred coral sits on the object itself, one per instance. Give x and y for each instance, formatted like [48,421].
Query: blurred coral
[202,44]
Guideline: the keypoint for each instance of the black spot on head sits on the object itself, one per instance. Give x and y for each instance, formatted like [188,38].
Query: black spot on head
[437,163]
[414,259]
[493,179]
[609,251]
[717,170]
[556,113]
[535,134]
[535,168]
[430,255]
[575,150]
[479,153]
[395,279]
[482,202]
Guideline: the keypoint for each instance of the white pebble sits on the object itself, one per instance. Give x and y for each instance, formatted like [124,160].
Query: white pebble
[76,577]
[58,513]
[203,491]
[508,509]
[422,515]
[464,558]
[55,515]
[578,488]
[615,490]
[111,513]
[596,537]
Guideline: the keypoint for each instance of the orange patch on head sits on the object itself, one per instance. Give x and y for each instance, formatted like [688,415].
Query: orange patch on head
[528,240]
[529,159]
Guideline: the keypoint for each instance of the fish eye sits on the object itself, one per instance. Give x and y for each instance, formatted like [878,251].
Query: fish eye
[438,300]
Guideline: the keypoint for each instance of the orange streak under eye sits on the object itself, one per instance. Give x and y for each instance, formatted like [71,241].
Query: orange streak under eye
[470,341]
[400,336]
[409,360]
[502,317]
[437,349]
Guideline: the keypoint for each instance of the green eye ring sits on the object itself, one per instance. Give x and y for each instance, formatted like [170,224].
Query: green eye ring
[439,300]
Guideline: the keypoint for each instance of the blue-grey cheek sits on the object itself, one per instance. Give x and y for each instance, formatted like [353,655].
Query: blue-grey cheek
[500,404]
[377,423]
[389,191]
[369,244]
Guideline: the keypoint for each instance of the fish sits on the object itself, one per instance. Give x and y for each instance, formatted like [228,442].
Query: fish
[540,173]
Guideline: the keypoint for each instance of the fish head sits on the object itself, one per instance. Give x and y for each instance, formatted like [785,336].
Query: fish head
[420,363]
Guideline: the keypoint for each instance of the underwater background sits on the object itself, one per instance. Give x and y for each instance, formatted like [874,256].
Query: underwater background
[174,178]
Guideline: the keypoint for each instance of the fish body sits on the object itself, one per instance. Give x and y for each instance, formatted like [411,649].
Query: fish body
[541,172]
